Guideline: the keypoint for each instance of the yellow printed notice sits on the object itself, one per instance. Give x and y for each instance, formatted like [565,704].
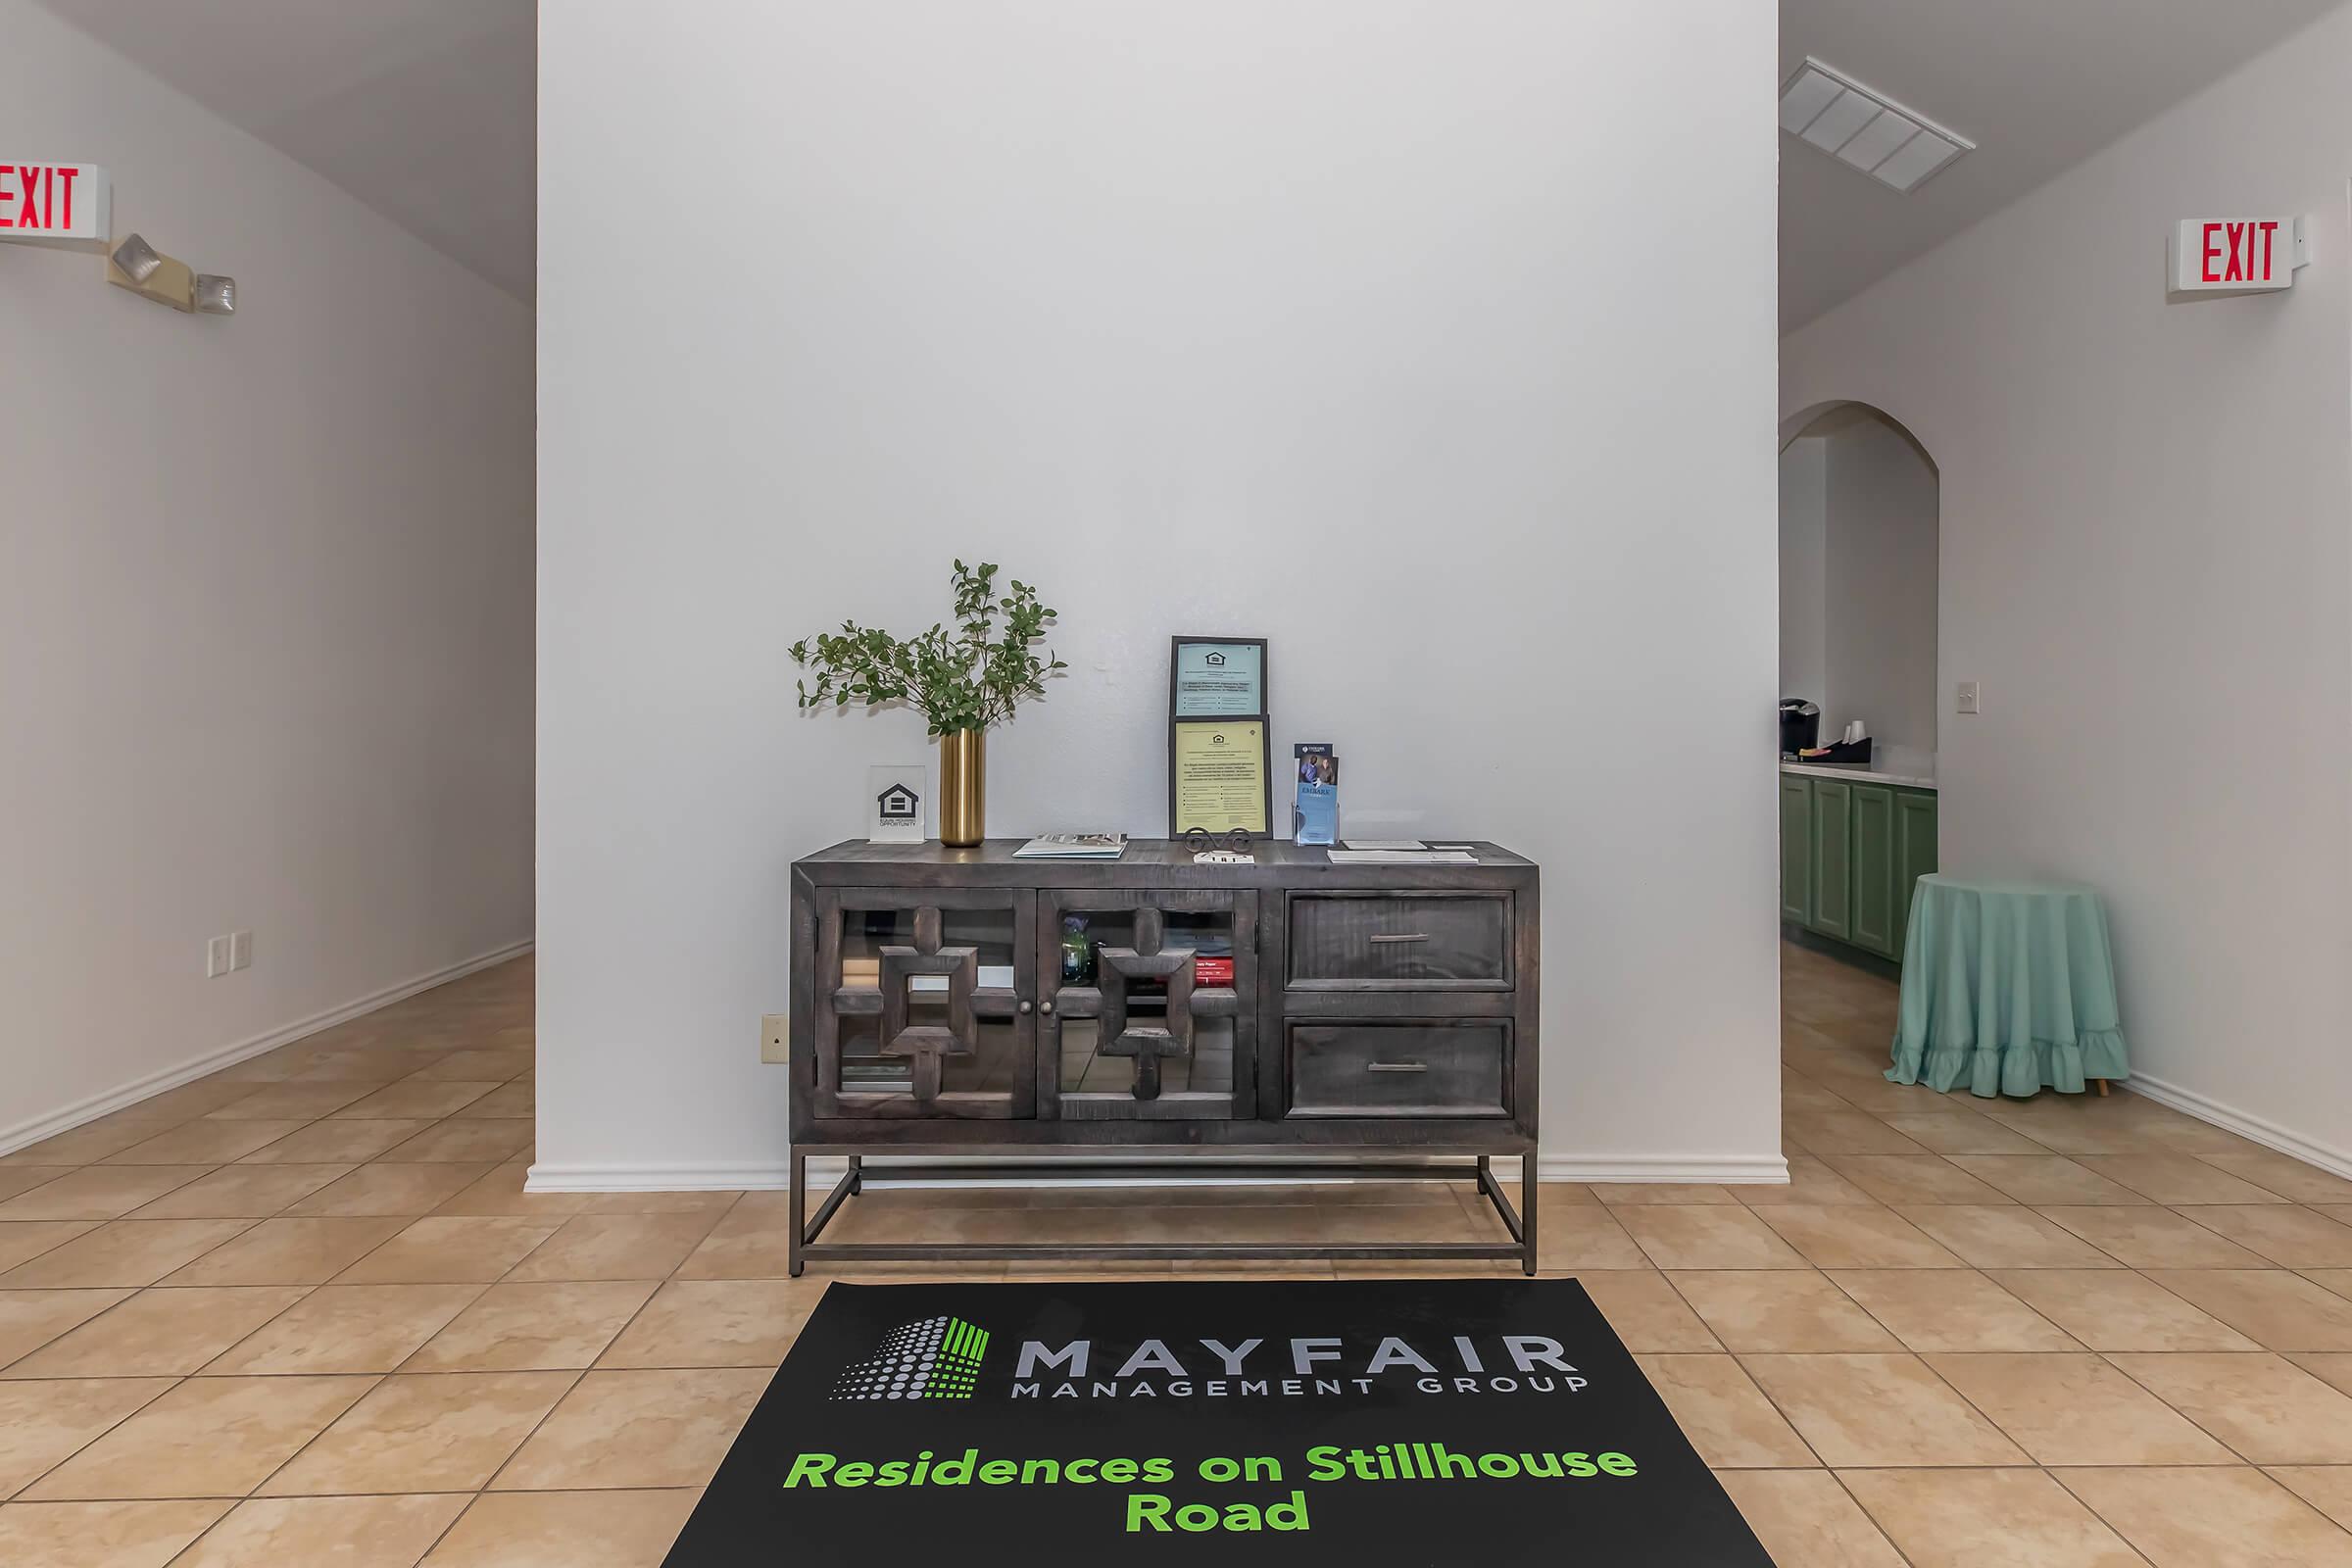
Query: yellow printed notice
[1220,776]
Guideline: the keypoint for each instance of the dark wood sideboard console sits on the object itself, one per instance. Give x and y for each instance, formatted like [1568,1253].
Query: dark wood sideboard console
[1223,1021]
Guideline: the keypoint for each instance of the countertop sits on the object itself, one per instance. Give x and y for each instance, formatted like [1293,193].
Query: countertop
[1868,774]
[1148,863]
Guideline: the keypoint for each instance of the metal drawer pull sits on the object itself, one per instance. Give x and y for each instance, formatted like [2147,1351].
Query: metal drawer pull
[1405,936]
[1397,1066]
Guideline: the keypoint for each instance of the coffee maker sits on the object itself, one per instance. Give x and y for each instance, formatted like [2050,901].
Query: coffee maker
[1800,725]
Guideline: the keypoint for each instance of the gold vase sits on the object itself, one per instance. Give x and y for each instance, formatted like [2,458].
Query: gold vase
[962,788]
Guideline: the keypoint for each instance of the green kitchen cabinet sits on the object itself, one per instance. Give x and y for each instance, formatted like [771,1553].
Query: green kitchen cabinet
[1797,849]
[1834,858]
[1852,853]
[1872,924]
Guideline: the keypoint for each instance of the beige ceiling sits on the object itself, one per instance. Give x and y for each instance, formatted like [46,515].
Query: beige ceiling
[422,109]
[2037,84]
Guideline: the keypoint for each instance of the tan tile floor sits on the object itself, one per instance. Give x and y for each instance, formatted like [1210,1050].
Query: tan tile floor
[303,1311]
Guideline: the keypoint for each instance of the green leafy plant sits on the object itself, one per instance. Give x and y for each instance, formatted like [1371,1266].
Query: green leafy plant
[965,678]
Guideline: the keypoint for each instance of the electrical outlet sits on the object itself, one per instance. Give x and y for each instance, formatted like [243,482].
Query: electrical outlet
[240,950]
[775,1037]
[215,958]
[1967,703]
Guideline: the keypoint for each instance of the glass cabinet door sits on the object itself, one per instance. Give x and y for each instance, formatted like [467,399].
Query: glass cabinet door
[919,1008]
[1149,1001]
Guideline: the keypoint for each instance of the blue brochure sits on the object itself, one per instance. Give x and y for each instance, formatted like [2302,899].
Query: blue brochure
[1316,813]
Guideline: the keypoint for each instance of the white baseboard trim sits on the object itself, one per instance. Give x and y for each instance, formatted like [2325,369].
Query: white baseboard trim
[2269,1134]
[759,1176]
[1723,1170]
[825,1171]
[96,1105]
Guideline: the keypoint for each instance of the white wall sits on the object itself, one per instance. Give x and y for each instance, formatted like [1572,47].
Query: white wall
[1858,583]
[1804,579]
[1879,590]
[264,604]
[1301,321]
[2147,565]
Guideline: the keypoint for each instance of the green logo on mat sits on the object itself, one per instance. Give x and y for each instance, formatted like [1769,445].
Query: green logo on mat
[936,1359]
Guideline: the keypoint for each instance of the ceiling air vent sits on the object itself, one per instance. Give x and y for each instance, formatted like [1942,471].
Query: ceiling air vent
[1893,145]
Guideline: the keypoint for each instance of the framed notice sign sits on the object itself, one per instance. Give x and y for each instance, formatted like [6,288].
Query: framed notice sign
[1218,778]
[1217,677]
[1221,754]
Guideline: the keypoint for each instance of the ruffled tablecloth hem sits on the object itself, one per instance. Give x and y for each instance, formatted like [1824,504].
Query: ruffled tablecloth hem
[2020,1068]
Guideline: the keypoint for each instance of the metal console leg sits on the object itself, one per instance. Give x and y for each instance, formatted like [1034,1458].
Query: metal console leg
[807,1243]
[795,1203]
[1531,1184]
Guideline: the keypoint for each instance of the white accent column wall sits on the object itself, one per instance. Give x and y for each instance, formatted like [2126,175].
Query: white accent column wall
[1366,328]
[2147,565]
[264,606]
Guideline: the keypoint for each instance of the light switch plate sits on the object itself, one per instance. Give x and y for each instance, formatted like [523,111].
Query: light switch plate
[215,958]
[1967,703]
[240,950]
[775,1038]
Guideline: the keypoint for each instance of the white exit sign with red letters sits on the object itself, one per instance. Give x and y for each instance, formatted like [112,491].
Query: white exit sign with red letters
[2238,255]
[55,204]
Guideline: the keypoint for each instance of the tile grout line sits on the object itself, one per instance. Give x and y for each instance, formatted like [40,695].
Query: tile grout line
[2106,1357]
[1942,1382]
[1978,1271]
[2158,1147]
[1780,1411]
[32,1192]
[650,1296]
[80,1448]
[2091,1509]
[2225,1444]
[472,1495]
[1763,1392]
[306,1291]
[1863,1509]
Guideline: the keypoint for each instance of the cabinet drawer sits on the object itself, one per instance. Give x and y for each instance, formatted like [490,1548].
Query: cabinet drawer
[1435,942]
[1400,1068]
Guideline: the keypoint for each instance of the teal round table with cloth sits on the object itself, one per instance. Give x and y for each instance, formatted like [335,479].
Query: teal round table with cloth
[2008,988]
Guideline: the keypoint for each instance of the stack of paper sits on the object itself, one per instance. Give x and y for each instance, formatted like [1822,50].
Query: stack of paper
[1073,847]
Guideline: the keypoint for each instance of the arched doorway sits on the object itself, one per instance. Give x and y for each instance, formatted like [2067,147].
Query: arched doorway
[1860,545]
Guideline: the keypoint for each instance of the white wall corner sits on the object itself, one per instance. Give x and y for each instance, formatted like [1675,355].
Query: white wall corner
[2335,1161]
[38,1128]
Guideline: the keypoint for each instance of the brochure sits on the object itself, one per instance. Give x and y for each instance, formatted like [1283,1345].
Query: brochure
[1316,812]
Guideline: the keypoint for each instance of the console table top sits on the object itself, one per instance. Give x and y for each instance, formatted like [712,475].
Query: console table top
[1277,859]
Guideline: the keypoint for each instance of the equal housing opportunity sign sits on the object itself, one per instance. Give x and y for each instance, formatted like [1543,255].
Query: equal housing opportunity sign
[1308,1422]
